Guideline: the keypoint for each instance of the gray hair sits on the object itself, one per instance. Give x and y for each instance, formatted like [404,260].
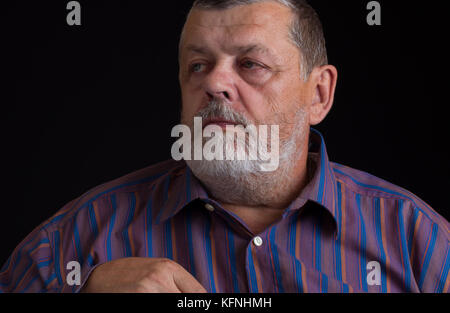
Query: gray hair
[306,30]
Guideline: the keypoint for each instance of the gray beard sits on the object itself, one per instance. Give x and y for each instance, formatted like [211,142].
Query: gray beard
[241,182]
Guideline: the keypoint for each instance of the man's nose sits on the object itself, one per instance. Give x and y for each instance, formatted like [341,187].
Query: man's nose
[220,84]
[224,96]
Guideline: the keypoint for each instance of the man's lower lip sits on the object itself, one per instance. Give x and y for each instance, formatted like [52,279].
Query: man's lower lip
[220,124]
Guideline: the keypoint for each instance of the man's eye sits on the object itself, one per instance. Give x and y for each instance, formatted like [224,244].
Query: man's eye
[249,65]
[197,67]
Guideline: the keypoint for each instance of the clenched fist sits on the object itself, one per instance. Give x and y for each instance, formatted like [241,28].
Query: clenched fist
[142,275]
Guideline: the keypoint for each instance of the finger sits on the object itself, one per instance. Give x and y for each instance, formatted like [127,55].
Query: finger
[185,282]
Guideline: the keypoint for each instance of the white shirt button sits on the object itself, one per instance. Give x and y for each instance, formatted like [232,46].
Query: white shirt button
[209,207]
[257,241]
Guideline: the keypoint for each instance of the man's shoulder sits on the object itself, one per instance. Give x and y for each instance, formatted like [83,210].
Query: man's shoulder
[135,181]
[371,186]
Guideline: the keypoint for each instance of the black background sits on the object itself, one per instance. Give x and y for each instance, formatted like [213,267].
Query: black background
[82,105]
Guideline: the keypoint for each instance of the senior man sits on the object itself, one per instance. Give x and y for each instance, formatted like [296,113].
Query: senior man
[310,225]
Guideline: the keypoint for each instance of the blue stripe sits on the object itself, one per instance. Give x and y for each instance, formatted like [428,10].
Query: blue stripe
[322,173]
[426,263]
[404,247]
[76,236]
[111,226]
[165,198]
[207,241]
[324,283]
[56,254]
[92,220]
[126,237]
[322,167]
[188,184]
[317,247]
[338,214]
[377,220]
[149,227]
[292,234]
[298,276]
[251,271]
[232,260]
[172,211]
[443,278]
[292,244]
[49,280]
[190,243]
[90,260]
[411,231]
[188,224]
[363,245]
[168,239]
[345,288]
[276,259]
[337,244]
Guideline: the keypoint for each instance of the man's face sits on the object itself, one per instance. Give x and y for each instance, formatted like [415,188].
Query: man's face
[244,57]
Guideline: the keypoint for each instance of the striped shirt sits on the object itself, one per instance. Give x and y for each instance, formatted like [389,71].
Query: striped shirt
[347,231]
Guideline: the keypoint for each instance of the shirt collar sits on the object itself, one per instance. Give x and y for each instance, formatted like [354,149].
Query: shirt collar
[322,186]
[173,191]
[177,188]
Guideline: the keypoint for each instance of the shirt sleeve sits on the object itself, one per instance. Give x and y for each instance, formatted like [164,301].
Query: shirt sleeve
[429,253]
[30,268]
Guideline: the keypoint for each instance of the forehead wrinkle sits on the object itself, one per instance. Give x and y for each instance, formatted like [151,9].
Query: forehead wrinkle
[228,34]
[229,26]
[229,30]
[239,48]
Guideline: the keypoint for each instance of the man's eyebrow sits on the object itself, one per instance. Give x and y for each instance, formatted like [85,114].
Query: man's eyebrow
[196,49]
[237,49]
[252,48]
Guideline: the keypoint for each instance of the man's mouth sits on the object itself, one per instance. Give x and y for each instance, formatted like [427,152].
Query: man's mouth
[219,122]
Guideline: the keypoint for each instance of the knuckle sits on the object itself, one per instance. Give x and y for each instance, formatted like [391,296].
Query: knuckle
[154,277]
[159,274]
[144,286]
[153,282]
[165,264]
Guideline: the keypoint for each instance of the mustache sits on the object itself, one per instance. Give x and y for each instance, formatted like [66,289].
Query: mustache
[218,109]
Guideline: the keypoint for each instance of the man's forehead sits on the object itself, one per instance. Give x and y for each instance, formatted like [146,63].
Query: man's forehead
[239,30]
[256,16]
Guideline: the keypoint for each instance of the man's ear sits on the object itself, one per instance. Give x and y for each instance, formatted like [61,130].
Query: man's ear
[322,81]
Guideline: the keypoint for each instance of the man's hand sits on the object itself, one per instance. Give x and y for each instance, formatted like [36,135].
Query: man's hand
[142,275]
